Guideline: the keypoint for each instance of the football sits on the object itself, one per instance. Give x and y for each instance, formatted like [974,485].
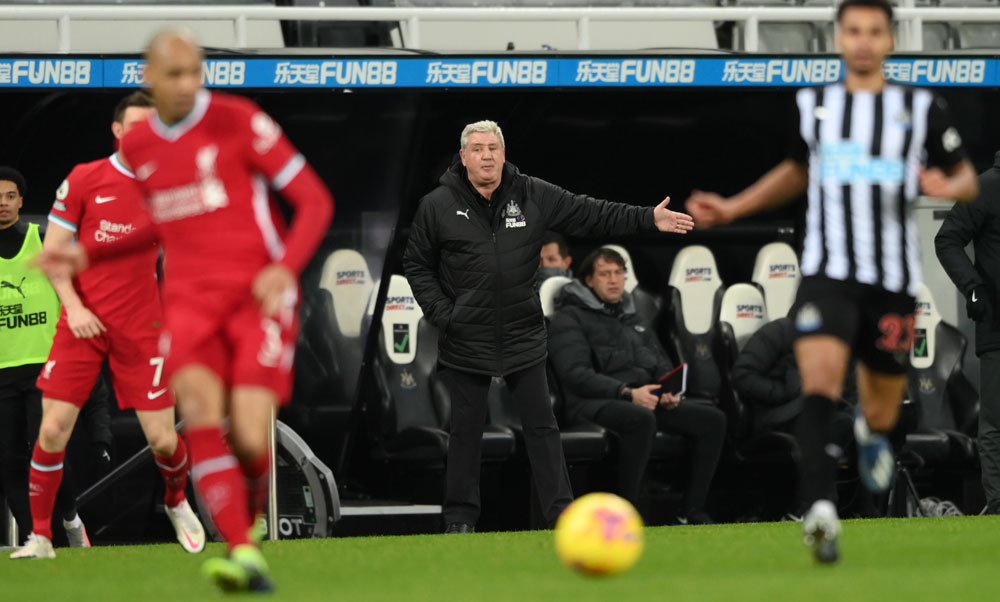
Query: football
[599,534]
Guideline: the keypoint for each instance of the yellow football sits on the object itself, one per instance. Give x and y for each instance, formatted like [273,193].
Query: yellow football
[599,534]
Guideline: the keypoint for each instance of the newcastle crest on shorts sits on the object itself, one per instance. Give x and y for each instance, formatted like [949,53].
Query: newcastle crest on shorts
[513,218]
[808,318]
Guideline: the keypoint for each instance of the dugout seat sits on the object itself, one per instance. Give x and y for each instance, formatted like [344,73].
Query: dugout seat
[414,408]
[647,304]
[744,309]
[337,331]
[549,291]
[689,325]
[947,404]
[582,443]
[742,312]
[767,460]
[776,272]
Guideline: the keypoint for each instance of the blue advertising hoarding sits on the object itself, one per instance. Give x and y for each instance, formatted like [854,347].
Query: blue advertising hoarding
[492,72]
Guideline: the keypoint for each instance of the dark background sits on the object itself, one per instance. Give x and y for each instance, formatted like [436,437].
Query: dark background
[380,151]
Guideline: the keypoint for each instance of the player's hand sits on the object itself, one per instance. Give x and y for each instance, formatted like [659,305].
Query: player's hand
[934,182]
[709,209]
[644,396]
[63,262]
[671,221]
[272,288]
[83,323]
[669,401]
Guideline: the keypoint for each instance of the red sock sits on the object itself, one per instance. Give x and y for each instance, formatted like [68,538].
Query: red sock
[220,483]
[43,484]
[258,476]
[174,470]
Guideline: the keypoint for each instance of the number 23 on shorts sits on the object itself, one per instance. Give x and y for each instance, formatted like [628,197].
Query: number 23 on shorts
[897,333]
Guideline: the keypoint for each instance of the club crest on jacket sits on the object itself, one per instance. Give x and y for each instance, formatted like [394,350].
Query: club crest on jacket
[513,216]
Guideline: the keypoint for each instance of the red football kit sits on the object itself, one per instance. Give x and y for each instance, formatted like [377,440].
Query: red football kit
[101,202]
[206,181]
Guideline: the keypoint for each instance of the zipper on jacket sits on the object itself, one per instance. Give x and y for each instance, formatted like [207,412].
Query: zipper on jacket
[496,297]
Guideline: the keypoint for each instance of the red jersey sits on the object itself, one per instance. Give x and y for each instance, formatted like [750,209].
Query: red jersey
[206,181]
[101,202]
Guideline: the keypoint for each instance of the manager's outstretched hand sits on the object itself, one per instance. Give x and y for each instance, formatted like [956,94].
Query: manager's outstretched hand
[671,221]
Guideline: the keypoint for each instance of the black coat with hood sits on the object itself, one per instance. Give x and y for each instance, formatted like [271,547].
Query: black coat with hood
[598,349]
[977,222]
[471,263]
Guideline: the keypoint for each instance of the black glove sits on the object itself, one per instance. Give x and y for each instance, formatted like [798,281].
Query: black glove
[978,304]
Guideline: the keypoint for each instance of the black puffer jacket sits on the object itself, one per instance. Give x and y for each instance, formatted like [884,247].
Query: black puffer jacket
[597,350]
[471,263]
[767,379]
[978,222]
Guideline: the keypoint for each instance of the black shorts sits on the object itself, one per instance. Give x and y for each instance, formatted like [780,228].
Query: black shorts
[875,323]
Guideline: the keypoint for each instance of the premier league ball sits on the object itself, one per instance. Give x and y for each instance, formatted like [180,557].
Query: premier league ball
[599,534]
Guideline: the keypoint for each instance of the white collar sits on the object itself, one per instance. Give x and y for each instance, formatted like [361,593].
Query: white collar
[175,131]
[117,162]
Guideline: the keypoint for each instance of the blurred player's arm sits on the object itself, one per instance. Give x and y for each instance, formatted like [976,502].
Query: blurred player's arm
[958,182]
[784,183]
[272,155]
[82,322]
[948,173]
[313,205]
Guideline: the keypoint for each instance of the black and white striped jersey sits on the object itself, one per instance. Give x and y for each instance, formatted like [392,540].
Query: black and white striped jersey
[864,151]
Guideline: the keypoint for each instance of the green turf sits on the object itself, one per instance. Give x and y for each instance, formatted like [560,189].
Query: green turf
[913,559]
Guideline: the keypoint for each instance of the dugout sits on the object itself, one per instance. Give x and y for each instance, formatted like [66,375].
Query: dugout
[380,129]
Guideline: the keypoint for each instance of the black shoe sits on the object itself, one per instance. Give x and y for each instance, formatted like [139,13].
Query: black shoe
[454,528]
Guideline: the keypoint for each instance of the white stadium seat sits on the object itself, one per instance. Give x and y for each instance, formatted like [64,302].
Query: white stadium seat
[776,271]
[927,317]
[399,321]
[743,309]
[346,276]
[695,275]
[549,292]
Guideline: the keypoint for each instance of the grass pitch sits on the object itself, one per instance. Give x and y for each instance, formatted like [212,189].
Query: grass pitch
[911,559]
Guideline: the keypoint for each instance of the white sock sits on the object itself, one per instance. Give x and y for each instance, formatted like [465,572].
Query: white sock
[76,523]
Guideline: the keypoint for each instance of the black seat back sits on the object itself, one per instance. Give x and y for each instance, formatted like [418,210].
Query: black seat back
[344,289]
[936,381]
[697,349]
[405,364]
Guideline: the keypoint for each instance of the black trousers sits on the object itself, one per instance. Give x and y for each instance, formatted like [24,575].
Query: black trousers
[20,419]
[530,391]
[989,427]
[702,425]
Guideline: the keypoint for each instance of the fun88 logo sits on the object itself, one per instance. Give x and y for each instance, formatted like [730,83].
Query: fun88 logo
[846,161]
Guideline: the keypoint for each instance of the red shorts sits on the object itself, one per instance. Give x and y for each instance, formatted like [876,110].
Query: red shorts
[136,368]
[233,340]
